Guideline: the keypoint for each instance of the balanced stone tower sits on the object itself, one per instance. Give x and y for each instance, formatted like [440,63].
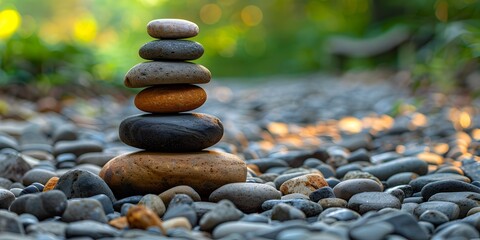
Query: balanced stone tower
[173,140]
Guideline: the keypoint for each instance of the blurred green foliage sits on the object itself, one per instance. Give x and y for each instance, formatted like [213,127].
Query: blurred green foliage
[60,42]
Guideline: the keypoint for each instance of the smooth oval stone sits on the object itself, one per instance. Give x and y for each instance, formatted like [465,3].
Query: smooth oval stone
[372,201]
[408,164]
[132,200]
[84,209]
[447,186]
[418,183]
[171,50]
[161,72]
[6,198]
[451,210]
[332,202]
[169,194]
[10,222]
[229,228]
[305,184]
[172,28]
[170,98]
[37,175]
[248,197]
[284,212]
[90,230]
[465,200]
[154,202]
[13,165]
[225,211]
[154,172]
[79,184]
[183,132]
[457,231]
[401,179]
[346,189]
[434,217]
[308,207]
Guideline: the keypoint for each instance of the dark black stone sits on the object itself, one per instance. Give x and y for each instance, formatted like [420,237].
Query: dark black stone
[447,186]
[183,132]
[171,50]
[80,184]
[321,193]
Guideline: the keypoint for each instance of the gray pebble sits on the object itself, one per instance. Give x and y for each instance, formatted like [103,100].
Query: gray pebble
[225,211]
[93,229]
[308,207]
[284,212]
[154,202]
[451,210]
[6,198]
[84,209]
[434,217]
[372,201]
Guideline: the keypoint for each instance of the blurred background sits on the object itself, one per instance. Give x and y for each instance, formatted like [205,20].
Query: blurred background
[83,42]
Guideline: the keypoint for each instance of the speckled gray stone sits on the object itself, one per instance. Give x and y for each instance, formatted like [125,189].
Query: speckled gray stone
[171,50]
[161,72]
[248,197]
[170,28]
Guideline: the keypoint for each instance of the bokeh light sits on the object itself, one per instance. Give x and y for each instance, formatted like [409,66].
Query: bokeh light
[9,22]
[251,15]
[210,13]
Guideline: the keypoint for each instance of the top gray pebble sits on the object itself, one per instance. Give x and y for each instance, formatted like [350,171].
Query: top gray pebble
[172,28]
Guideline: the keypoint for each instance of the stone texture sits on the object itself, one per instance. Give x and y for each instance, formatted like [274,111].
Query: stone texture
[372,201]
[248,197]
[170,98]
[168,195]
[161,72]
[171,50]
[172,28]
[183,132]
[79,184]
[346,189]
[305,184]
[153,172]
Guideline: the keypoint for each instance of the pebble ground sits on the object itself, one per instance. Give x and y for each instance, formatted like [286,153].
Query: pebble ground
[328,158]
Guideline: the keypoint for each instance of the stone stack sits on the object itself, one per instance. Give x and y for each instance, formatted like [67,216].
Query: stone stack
[173,140]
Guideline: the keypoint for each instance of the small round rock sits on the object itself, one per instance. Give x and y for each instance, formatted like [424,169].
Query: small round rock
[170,28]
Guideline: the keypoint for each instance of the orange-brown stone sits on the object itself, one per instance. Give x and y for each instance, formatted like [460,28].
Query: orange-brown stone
[154,172]
[141,217]
[120,223]
[170,98]
[51,183]
[305,184]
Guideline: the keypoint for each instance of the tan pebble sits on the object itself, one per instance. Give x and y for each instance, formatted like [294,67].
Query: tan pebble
[141,217]
[120,223]
[332,202]
[172,28]
[178,222]
[473,211]
[168,195]
[154,172]
[170,98]
[51,183]
[304,184]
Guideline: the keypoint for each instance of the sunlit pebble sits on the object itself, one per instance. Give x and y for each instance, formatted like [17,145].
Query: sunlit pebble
[277,128]
[440,148]
[476,134]
[431,158]
[465,120]
[350,125]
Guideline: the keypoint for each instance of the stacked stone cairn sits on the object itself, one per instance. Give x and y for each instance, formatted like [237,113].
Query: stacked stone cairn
[173,139]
